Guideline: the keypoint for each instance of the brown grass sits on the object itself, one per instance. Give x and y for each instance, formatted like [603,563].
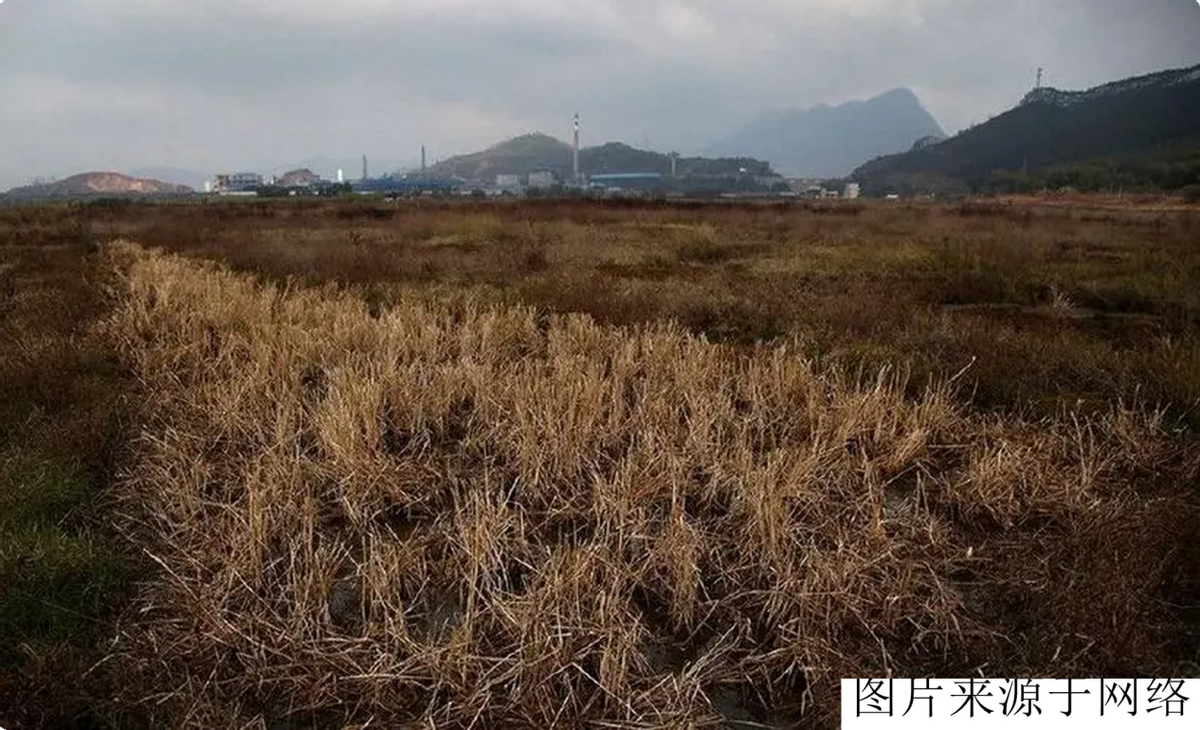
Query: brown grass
[928,289]
[448,508]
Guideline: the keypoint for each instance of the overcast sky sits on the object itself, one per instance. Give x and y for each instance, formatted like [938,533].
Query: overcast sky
[255,84]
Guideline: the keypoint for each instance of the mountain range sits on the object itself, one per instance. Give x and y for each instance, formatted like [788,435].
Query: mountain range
[1141,132]
[830,141]
[1138,132]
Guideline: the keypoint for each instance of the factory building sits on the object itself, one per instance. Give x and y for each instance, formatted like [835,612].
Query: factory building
[238,182]
[541,179]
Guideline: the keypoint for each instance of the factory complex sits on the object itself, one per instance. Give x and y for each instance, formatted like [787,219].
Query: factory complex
[612,177]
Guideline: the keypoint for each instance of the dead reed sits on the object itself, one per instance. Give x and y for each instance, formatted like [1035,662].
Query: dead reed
[453,513]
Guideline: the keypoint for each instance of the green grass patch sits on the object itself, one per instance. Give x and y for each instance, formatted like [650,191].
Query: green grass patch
[56,575]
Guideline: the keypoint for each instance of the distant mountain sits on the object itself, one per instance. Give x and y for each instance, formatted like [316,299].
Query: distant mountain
[541,152]
[518,156]
[191,178]
[830,141]
[96,184]
[1142,131]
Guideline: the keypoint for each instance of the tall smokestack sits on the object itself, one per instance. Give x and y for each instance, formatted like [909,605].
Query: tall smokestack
[575,157]
[364,177]
[422,158]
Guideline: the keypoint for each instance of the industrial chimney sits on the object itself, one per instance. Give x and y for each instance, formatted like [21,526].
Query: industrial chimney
[575,157]
[364,177]
[422,158]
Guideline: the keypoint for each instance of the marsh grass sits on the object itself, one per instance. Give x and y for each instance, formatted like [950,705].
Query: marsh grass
[635,464]
[934,287]
[459,509]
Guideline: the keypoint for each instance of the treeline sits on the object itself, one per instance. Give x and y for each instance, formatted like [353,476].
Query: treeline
[1143,174]
[619,157]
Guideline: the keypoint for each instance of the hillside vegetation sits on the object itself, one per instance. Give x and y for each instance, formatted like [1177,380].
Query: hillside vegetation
[1140,133]
[539,152]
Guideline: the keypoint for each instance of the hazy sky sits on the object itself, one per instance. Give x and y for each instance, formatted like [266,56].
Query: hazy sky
[254,84]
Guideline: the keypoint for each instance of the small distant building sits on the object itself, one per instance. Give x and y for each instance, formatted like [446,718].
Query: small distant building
[853,191]
[238,182]
[541,179]
[508,182]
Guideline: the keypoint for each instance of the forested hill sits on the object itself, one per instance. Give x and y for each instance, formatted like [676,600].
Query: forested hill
[1143,131]
[540,152]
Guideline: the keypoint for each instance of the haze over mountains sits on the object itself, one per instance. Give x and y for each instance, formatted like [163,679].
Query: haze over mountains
[830,141]
[821,142]
[1141,131]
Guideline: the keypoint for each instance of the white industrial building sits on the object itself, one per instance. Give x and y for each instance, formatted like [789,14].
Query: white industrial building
[541,179]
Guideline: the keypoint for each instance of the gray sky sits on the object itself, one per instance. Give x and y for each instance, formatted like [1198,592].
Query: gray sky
[254,84]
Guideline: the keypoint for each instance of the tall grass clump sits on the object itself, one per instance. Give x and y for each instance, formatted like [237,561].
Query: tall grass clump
[454,513]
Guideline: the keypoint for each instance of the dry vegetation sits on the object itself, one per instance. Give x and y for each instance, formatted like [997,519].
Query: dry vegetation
[928,289]
[642,466]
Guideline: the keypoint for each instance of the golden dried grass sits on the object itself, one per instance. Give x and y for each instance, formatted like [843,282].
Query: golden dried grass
[459,513]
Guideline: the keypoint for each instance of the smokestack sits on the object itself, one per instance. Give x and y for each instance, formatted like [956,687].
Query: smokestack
[575,158]
[364,177]
[422,158]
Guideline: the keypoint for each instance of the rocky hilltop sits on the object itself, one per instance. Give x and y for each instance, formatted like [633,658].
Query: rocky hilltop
[96,184]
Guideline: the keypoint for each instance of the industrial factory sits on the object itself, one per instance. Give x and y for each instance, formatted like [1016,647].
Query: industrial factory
[615,169]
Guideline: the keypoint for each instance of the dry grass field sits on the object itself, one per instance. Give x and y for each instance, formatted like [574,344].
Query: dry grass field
[635,465]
